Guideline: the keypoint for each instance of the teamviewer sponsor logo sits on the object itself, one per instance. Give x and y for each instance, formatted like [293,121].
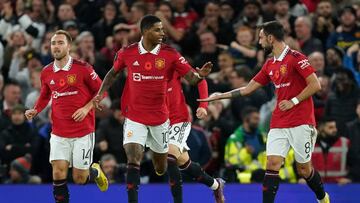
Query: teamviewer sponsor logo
[62,94]
[282,85]
[136,76]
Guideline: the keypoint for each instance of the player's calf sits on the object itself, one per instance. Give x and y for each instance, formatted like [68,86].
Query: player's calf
[132,182]
[60,191]
[270,186]
[175,180]
[315,184]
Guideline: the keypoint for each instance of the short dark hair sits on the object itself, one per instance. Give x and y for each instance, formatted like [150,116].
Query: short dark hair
[326,119]
[247,111]
[273,28]
[243,71]
[63,32]
[148,21]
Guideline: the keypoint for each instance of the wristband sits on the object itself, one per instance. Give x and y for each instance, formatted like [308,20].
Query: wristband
[295,101]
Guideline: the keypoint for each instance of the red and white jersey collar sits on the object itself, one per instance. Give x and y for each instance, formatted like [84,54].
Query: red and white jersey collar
[65,68]
[142,50]
[282,55]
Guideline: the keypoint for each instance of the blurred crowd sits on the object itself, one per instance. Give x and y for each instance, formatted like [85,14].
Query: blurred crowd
[230,142]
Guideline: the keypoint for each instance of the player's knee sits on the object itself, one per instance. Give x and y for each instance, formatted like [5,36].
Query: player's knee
[273,164]
[59,174]
[160,170]
[303,171]
[79,179]
[134,160]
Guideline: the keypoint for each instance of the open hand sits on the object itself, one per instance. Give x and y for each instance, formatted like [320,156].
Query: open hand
[205,69]
[80,114]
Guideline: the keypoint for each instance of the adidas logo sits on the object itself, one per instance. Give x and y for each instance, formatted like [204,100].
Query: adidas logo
[136,63]
[271,73]
[86,163]
[52,82]
[165,146]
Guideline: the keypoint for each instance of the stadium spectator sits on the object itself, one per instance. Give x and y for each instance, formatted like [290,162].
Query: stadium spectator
[109,135]
[342,101]
[331,152]
[20,172]
[308,44]
[346,33]
[17,139]
[353,133]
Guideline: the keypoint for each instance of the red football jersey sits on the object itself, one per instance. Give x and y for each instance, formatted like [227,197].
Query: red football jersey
[69,89]
[288,73]
[176,100]
[146,83]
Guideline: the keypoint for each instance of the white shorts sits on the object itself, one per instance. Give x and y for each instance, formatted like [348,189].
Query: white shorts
[77,151]
[178,135]
[301,138]
[154,137]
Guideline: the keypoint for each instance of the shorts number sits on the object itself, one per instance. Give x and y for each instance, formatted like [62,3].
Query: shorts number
[165,137]
[307,147]
[86,155]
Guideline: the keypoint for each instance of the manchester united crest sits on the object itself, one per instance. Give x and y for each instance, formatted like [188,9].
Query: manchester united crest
[283,70]
[160,63]
[71,79]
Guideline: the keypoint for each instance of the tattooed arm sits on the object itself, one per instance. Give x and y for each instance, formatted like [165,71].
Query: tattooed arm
[242,91]
[109,79]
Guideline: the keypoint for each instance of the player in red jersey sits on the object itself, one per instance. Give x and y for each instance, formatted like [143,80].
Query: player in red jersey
[180,127]
[293,121]
[71,85]
[150,65]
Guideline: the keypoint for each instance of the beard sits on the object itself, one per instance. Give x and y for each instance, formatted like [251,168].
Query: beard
[253,127]
[58,55]
[268,50]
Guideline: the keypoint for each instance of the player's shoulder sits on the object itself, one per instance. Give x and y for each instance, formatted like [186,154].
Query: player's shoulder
[80,64]
[129,48]
[296,54]
[49,66]
[168,48]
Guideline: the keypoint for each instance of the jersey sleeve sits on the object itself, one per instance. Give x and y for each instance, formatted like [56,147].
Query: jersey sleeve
[119,62]
[302,65]
[181,65]
[203,92]
[45,95]
[262,77]
[92,80]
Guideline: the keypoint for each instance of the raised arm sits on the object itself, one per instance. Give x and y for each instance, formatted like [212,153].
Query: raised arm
[242,91]
[194,77]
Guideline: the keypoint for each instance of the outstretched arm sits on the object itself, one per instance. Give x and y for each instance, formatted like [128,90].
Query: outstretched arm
[242,91]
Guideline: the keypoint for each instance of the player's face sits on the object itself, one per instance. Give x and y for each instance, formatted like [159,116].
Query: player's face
[265,42]
[155,34]
[59,46]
